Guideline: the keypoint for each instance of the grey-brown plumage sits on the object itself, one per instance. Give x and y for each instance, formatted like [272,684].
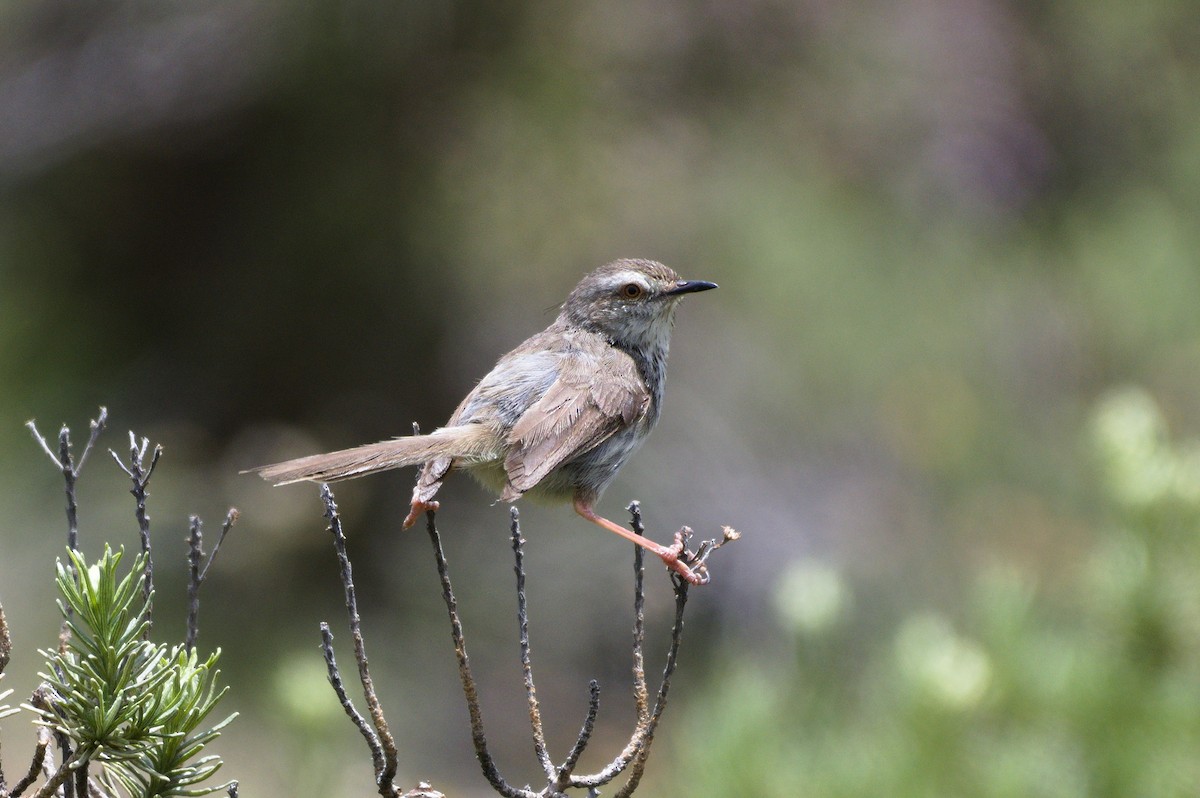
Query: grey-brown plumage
[558,416]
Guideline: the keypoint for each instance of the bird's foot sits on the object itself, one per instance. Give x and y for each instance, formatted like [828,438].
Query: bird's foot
[690,565]
[418,508]
[683,562]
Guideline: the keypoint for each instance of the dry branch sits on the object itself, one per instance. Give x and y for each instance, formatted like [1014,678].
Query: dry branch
[558,778]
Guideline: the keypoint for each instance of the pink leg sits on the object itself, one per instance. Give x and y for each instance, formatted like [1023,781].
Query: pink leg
[669,555]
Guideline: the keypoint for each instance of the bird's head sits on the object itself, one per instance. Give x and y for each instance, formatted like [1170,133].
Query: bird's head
[632,302]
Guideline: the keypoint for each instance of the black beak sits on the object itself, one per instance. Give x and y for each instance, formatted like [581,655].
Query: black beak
[689,287]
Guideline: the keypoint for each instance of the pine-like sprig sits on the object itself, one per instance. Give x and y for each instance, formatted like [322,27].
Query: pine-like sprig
[133,706]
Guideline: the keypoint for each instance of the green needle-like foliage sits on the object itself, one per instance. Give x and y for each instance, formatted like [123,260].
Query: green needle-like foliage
[181,705]
[129,704]
[6,710]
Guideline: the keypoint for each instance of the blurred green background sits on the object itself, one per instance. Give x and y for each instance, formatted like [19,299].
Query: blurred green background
[945,390]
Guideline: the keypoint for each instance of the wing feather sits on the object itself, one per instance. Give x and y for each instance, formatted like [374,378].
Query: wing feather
[598,393]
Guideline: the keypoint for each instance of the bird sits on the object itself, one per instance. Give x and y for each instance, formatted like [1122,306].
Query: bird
[557,417]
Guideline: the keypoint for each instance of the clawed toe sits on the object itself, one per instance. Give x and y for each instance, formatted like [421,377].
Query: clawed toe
[686,565]
[689,565]
[671,554]
[679,568]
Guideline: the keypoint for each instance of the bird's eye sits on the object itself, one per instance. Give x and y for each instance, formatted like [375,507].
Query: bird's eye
[631,290]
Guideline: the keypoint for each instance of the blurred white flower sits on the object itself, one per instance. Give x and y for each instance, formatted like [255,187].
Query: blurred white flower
[811,596]
[952,670]
[1143,468]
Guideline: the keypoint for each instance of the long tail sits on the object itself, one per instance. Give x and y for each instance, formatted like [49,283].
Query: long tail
[473,442]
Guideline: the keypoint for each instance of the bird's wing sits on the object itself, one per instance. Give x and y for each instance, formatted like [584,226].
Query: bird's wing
[598,392]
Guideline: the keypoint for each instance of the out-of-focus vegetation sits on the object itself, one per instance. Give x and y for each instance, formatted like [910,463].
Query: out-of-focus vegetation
[944,232]
[1089,686]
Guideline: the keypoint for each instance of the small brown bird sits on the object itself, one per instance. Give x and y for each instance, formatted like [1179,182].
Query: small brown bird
[558,416]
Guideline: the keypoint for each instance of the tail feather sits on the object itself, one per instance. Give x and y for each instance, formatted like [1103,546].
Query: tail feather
[471,442]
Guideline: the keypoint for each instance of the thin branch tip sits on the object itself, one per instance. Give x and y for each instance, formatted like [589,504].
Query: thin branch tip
[560,779]
[96,425]
[31,425]
[384,754]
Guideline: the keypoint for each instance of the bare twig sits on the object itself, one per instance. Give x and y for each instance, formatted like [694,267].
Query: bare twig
[707,547]
[585,734]
[195,541]
[641,694]
[5,653]
[97,426]
[31,425]
[139,473]
[559,779]
[637,749]
[660,701]
[61,778]
[633,757]
[68,755]
[70,469]
[231,518]
[385,759]
[35,767]
[56,778]
[490,771]
[81,781]
[5,641]
[70,476]
[339,687]
[556,778]
[196,573]
[48,766]
[535,715]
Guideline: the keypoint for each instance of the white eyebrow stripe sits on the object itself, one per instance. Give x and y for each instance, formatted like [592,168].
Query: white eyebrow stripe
[621,278]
